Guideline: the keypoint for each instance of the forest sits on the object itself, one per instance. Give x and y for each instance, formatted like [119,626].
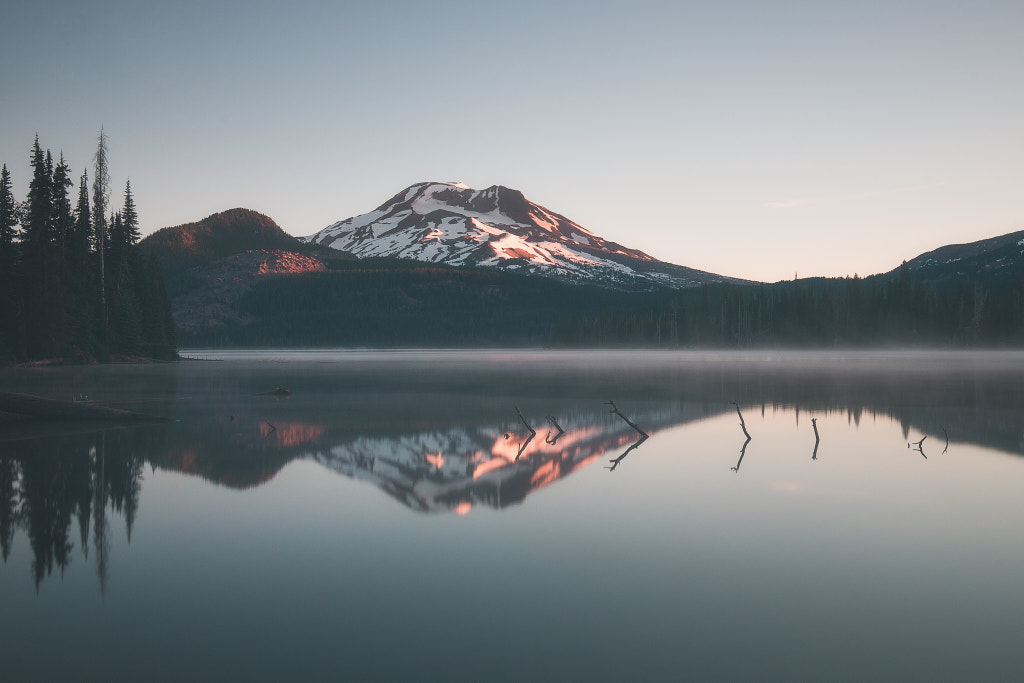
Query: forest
[389,302]
[73,283]
[883,310]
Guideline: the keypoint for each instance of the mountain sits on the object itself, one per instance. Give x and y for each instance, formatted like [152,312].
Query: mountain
[222,234]
[210,264]
[498,227]
[995,258]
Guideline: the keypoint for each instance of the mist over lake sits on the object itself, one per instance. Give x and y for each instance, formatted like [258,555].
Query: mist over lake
[484,515]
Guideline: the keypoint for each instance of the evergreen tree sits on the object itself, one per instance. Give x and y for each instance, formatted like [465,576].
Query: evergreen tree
[37,265]
[129,217]
[61,219]
[79,277]
[62,223]
[8,263]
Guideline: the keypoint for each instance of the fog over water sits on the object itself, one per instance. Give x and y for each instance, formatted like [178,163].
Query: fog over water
[484,515]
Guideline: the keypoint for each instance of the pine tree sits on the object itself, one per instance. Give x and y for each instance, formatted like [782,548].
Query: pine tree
[61,218]
[8,263]
[37,266]
[81,283]
[129,216]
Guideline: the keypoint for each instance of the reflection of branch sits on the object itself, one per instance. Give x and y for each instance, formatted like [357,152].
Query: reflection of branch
[817,439]
[947,440]
[743,451]
[529,439]
[615,462]
[743,425]
[920,446]
[272,427]
[615,410]
[552,440]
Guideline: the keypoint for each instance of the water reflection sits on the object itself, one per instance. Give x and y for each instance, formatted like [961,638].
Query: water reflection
[47,486]
[437,441]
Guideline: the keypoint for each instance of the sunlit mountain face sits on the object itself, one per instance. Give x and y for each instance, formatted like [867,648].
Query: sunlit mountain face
[498,227]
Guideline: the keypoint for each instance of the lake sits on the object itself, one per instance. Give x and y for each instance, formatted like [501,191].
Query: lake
[484,515]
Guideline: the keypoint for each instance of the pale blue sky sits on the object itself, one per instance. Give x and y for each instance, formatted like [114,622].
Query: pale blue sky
[753,139]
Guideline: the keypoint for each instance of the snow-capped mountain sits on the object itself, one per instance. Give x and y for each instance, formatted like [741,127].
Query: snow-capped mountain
[498,227]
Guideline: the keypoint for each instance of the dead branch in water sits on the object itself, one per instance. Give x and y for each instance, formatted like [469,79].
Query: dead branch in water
[552,440]
[920,446]
[947,440]
[743,425]
[277,392]
[817,439]
[529,439]
[743,451]
[615,461]
[615,411]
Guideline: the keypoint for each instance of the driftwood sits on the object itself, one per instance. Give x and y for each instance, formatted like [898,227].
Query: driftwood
[615,411]
[529,439]
[817,439]
[279,392]
[743,425]
[48,408]
[743,451]
[615,461]
[552,440]
[920,446]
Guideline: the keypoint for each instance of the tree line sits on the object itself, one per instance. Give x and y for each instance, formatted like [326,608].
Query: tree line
[73,282]
[851,312]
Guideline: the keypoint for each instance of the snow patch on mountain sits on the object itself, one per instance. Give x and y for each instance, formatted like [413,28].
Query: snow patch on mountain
[497,227]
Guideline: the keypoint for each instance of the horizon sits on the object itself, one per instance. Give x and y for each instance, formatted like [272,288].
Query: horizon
[743,140]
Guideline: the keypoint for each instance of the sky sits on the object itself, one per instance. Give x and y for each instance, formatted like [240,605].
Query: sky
[759,140]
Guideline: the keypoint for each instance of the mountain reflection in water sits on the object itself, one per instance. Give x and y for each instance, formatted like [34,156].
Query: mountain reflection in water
[439,441]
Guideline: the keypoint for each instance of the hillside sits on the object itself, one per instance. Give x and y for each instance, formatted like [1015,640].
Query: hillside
[222,234]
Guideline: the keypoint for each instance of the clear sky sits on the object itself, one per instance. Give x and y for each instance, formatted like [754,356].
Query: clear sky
[753,139]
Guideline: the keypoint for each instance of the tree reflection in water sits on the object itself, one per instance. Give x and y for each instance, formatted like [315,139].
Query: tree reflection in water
[46,485]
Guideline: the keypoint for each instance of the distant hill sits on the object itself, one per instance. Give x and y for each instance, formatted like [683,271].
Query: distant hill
[223,234]
[992,259]
[208,265]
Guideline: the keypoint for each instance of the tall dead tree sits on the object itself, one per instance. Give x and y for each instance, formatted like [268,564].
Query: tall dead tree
[100,198]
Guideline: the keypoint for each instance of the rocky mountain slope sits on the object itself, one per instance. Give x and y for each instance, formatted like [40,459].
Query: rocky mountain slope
[498,227]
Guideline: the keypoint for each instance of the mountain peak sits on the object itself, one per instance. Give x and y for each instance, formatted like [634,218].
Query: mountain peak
[450,222]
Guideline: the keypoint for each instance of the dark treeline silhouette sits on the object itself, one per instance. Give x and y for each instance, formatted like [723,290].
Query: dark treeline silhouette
[73,283]
[897,308]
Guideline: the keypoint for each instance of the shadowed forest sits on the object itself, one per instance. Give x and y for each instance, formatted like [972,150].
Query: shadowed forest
[386,302]
[73,282]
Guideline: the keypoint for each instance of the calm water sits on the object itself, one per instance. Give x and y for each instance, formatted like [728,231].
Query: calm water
[392,518]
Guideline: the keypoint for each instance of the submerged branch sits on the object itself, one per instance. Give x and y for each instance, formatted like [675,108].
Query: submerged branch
[615,461]
[529,439]
[552,440]
[817,439]
[615,411]
[743,451]
[743,425]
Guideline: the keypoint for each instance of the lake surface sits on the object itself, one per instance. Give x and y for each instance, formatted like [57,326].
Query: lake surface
[393,518]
